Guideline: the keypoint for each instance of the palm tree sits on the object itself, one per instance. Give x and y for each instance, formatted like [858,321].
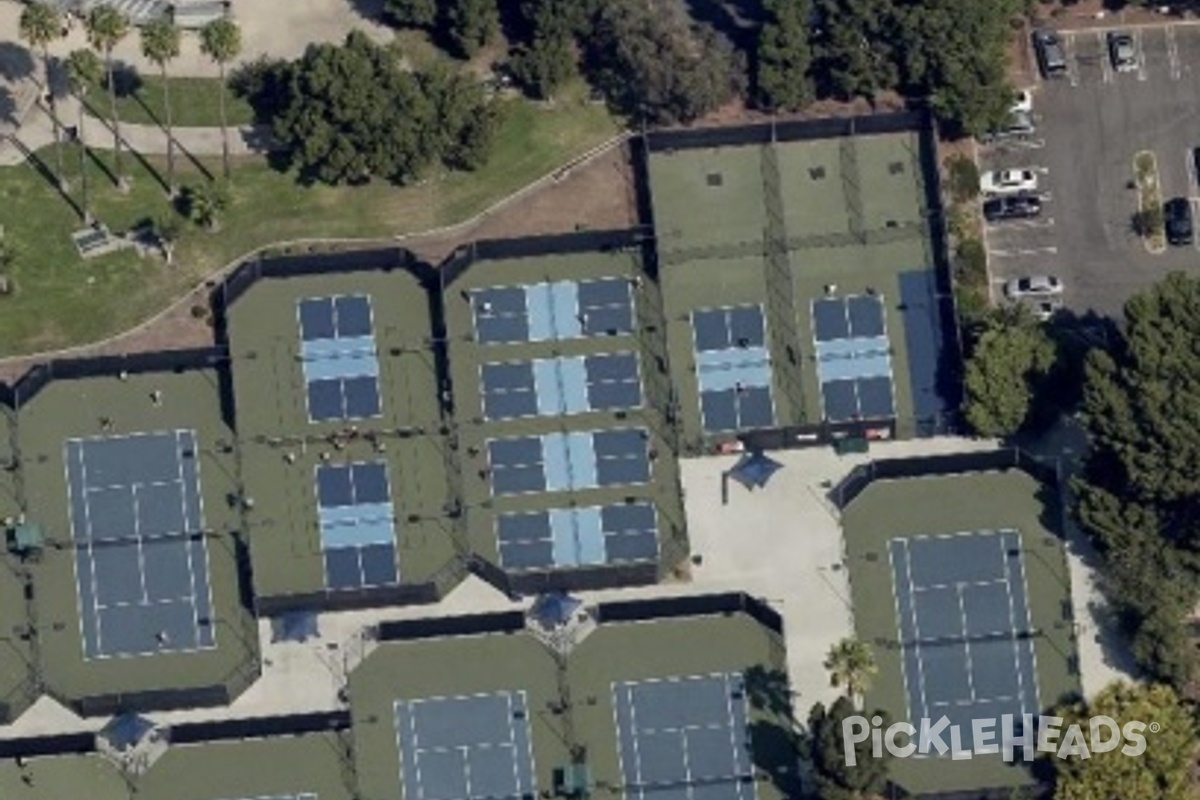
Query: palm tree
[83,71]
[851,664]
[160,44]
[221,40]
[41,25]
[105,28]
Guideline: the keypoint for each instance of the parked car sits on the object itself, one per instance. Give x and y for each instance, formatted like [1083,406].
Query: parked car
[1039,286]
[1051,57]
[1019,124]
[1008,181]
[1122,51]
[1015,206]
[1177,218]
[1022,102]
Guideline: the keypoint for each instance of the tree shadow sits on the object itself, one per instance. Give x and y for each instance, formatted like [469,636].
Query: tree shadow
[774,740]
[137,156]
[16,62]
[126,80]
[8,106]
[371,10]
[45,172]
[737,20]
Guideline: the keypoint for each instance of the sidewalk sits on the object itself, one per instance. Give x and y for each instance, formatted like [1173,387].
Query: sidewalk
[37,131]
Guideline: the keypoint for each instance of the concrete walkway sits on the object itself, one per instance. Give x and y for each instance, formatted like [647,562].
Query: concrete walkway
[37,131]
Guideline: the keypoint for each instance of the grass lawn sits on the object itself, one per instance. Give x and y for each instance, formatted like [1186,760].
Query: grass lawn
[63,300]
[194,101]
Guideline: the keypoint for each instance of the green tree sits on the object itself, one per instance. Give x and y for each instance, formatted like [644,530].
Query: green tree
[411,13]
[854,47]
[954,52]
[784,56]
[1162,771]
[106,27]
[160,45]
[1009,359]
[352,114]
[834,779]
[464,123]
[1140,487]
[203,204]
[652,64]
[471,24]
[851,666]
[40,25]
[221,40]
[84,71]
[544,65]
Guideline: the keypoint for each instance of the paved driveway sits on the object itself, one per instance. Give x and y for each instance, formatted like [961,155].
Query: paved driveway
[1090,125]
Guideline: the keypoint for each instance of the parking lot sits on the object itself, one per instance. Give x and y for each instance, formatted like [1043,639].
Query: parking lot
[1090,124]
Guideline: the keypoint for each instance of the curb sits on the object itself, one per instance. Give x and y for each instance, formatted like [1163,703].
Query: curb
[1148,241]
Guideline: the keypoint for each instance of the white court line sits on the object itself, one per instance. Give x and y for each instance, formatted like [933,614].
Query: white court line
[633,734]
[899,633]
[962,615]
[187,544]
[87,513]
[1037,701]
[912,611]
[1012,622]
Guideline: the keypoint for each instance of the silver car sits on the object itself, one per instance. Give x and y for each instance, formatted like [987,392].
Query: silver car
[1034,286]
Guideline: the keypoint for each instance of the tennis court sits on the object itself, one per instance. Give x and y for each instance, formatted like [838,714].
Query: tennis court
[552,311]
[475,747]
[341,368]
[575,537]
[141,562]
[733,368]
[684,738]
[559,462]
[854,360]
[357,524]
[964,626]
[565,385]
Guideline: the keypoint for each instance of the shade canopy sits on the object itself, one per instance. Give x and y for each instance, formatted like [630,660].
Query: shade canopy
[555,609]
[294,626]
[755,469]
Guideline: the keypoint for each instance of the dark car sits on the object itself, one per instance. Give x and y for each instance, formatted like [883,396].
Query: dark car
[1018,206]
[1177,217]
[1122,51]
[1050,54]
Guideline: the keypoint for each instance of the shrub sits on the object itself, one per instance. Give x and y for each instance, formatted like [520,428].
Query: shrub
[962,176]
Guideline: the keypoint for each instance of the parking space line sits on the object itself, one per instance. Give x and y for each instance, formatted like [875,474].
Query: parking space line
[1173,54]
[1140,49]
[1106,72]
[1032,251]
[1013,225]
[1194,202]
[1072,63]
[1193,188]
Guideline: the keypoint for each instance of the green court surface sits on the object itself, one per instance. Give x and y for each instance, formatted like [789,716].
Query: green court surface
[282,448]
[569,700]
[780,226]
[988,501]
[467,357]
[17,690]
[92,775]
[113,406]
[255,769]
[708,197]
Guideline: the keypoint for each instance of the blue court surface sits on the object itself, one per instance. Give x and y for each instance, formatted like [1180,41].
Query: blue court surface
[558,386]
[357,524]
[733,368]
[474,747]
[854,361]
[556,462]
[556,311]
[337,350]
[141,561]
[684,738]
[964,626]
[578,537]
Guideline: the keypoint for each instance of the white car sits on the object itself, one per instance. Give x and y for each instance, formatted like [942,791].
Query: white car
[1008,181]
[1034,286]
[1022,102]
